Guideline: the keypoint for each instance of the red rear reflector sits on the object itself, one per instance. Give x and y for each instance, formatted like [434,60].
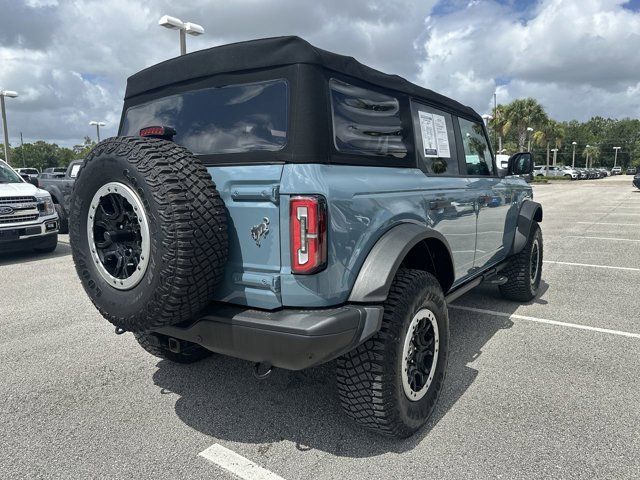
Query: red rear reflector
[160,132]
[308,227]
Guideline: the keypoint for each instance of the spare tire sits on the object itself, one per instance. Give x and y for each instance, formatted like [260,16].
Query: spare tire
[148,232]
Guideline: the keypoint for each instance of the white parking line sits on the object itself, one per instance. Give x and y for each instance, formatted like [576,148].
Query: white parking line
[544,320]
[593,266]
[604,238]
[614,213]
[616,224]
[237,464]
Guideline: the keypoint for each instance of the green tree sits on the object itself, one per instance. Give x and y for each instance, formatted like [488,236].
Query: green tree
[520,114]
[80,151]
[551,133]
[41,155]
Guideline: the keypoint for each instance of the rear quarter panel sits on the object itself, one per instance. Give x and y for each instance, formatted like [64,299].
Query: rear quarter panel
[364,203]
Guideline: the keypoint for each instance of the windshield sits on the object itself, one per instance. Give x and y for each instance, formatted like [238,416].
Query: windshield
[7,175]
[230,119]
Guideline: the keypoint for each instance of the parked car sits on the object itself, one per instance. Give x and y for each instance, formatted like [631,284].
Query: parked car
[31,172]
[60,187]
[636,180]
[28,219]
[555,171]
[584,174]
[593,174]
[569,172]
[631,171]
[616,170]
[328,233]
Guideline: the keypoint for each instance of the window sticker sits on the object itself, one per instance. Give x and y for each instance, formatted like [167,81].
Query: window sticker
[435,138]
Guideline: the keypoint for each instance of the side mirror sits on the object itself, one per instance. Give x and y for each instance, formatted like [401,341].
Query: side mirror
[521,164]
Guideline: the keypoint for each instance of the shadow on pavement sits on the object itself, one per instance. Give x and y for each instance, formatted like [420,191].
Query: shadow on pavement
[17,257]
[220,398]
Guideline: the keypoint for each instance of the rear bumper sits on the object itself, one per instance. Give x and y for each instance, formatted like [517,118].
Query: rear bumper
[289,339]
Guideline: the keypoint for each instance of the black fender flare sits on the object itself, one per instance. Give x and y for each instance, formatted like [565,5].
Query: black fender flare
[379,268]
[530,212]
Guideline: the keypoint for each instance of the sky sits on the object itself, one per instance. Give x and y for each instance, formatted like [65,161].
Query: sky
[69,59]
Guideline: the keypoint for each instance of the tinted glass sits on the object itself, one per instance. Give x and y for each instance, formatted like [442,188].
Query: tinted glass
[435,140]
[476,148]
[366,122]
[231,119]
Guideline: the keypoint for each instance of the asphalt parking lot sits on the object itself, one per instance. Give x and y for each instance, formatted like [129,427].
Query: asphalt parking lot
[545,390]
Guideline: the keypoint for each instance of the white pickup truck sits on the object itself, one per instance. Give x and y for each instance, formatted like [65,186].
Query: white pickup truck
[28,218]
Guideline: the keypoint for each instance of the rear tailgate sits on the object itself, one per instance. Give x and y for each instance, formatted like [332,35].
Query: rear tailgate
[250,194]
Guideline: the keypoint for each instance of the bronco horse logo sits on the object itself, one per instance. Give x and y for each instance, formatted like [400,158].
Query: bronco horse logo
[258,232]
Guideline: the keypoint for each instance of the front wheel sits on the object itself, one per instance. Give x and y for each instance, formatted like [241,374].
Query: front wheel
[524,270]
[62,219]
[391,383]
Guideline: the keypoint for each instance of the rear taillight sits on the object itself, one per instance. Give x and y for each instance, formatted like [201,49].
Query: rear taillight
[308,227]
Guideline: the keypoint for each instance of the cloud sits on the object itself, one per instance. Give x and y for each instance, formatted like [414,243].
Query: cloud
[578,58]
[69,60]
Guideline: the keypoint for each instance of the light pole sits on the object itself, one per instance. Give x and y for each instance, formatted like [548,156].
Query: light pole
[615,158]
[529,130]
[587,150]
[555,155]
[573,161]
[174,23]
[97,125]
[10,94]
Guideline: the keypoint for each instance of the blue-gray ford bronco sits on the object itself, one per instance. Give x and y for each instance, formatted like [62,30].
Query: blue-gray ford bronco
[289,206]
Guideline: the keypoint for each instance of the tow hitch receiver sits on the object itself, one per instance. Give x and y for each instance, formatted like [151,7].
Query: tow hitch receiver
[174,345]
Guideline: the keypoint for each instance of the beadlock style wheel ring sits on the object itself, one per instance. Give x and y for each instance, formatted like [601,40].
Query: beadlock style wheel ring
[420,354]
[118,235]
[534,264]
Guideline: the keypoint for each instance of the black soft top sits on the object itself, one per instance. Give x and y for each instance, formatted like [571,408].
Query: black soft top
[275,52]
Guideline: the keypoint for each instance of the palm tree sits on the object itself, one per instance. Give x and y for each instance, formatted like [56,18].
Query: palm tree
[550,133]
[498,122]
[520,114]
[590,152]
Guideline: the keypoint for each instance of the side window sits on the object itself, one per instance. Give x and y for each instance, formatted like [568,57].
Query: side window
[476,148]
[435,140]
[366,122]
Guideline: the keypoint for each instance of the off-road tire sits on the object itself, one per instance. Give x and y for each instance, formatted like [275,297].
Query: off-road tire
[63,221]
[369,377]
[48,245]
[187,232]
[519,285]
[158,346]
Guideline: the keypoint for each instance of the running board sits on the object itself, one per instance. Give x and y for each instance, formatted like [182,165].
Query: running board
[490,275]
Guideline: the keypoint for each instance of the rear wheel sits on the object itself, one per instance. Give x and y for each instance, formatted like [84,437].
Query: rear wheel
[173,350]
[390,383]
[524,270]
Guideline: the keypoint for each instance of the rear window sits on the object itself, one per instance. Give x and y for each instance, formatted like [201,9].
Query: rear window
[229,119]
[366,122]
